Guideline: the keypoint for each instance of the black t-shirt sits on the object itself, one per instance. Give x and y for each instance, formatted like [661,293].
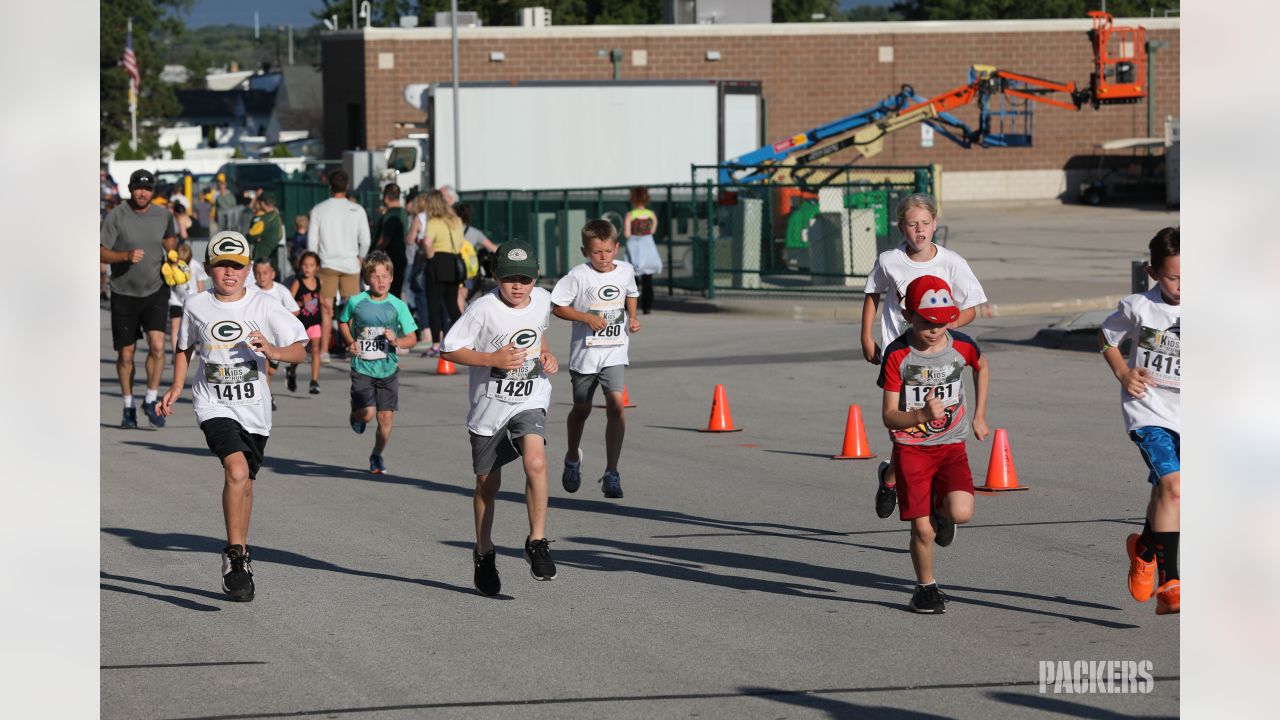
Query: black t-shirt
[391,227]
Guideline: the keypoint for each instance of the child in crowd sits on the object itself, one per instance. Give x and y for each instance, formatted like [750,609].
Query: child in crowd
[928,418]
[374,324]
[178,294]
[1150,398]
[501,336]
[264,274]
[236,333]
[599,297]
[887,283]
[306,293]
[638,227]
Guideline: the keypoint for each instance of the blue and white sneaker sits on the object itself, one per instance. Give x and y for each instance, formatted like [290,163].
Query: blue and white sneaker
[358,426]
[611,484]
[154,417]
[376,465]
[571,478]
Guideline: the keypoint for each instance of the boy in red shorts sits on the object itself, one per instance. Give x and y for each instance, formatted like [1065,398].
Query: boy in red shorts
[928,420]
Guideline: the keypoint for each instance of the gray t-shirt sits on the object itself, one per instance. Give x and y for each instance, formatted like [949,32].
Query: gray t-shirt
[912,373]
[124,230]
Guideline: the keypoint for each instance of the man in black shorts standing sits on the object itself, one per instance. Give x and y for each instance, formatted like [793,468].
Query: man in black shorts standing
[136,237]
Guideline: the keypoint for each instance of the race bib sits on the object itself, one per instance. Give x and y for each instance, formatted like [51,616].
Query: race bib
[514,386]
[611,334]
[372,343]
[948,393]
[233,384]
[1159,351]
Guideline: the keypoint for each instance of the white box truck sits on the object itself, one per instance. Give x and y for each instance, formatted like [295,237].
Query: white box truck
[551,135]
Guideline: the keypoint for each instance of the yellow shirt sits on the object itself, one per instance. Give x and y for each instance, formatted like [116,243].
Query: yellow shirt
[441,238]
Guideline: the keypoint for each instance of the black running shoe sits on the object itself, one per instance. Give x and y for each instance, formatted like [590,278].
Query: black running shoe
[486,580]
[928,600]
[315,388]
[237,573]
[291,378]
[153,416]
[538,554]
[130,419]
[886,497]
[946,530]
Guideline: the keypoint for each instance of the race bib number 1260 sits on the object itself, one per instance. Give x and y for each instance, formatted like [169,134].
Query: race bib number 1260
[611,334]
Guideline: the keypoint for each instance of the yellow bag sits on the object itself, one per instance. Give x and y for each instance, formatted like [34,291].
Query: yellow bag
[470,259]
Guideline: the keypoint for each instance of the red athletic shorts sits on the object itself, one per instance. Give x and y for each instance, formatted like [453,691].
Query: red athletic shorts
[923,471]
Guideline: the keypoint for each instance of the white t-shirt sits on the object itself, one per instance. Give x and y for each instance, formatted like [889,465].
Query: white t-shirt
[178,294]
[282,296]
[894,271]
[591,291]
[1155,327]
[231,379]
[339,234]
[486,325]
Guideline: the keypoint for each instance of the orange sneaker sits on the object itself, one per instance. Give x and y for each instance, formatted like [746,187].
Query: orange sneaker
[1168,598]
[1142,574]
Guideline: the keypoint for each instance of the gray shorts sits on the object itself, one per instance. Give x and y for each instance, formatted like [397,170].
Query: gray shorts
[382,393]
[584,384]
[490,452]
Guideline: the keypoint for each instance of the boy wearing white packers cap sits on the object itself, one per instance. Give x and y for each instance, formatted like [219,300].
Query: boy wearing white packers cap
[599,296]
[502,337]
[237,333]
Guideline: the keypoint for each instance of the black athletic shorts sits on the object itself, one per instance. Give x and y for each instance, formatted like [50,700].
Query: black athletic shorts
[133,316]
[175,311]
[227,437]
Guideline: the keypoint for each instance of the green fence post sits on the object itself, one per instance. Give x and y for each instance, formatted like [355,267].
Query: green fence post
[671,227]
[564,233]
[711,251]
[511,233]
[599,202]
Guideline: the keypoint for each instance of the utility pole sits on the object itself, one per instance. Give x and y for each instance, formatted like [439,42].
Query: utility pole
[457,129]
[1152,47]
[290,44]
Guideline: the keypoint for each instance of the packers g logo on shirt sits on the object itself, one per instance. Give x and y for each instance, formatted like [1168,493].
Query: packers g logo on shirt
[609,293]
[524,338]
[226,331]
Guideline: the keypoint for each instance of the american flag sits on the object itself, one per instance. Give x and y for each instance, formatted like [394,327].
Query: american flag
[130,63]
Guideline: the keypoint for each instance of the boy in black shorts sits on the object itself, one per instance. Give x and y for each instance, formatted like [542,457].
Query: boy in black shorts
[237,333]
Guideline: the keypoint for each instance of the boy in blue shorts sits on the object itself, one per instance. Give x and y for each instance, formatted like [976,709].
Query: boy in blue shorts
[927,416]
[502,337]
[599,297]
[1150,397]
[374,324]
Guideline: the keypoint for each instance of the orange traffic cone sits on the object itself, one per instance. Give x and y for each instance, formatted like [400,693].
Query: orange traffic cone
[855,438]
[444,367]
[626,400]
[1002,476]
[721,419]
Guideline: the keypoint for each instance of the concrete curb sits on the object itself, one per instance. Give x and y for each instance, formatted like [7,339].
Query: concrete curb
[849,309]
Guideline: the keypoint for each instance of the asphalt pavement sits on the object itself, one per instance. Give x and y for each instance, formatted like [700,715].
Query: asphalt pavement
[744,575]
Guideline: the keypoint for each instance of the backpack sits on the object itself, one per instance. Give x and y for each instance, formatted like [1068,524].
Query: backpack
[470,259]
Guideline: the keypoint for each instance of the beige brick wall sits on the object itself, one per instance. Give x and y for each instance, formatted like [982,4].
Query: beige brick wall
[810,74]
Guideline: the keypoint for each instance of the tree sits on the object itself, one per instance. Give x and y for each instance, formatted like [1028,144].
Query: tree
[152,19]
[175,151]
[280,151]
[1024,9]
[787,11]
[871,13]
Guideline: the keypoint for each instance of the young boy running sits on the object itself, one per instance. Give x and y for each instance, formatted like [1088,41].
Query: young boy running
[501,336]
[599,297]
[928,419]
[887,284]
[1150,397]
[236,332]
[264,274]
[374,324]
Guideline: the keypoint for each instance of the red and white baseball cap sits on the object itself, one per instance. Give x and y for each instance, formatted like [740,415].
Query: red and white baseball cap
[930,297]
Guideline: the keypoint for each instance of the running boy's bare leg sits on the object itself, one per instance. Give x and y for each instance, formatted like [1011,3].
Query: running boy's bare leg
[958,506]
[485,496]
[533,448]
[614,430]
[383,434]
[922,535]
[237,498]
[1164,509]
[577,421]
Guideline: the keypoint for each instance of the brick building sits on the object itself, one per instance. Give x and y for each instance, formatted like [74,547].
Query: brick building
[811,74]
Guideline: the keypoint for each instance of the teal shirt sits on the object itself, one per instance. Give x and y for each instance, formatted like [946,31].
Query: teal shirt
[367,319]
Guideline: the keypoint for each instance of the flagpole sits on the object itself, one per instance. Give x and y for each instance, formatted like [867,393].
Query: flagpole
[133,102]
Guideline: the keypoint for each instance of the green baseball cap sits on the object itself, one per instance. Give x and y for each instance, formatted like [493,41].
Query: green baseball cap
[515,257]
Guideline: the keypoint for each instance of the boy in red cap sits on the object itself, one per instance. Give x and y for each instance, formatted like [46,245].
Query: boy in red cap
[928,420]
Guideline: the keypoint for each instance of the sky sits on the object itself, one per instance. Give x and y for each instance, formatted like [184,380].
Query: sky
[298,12]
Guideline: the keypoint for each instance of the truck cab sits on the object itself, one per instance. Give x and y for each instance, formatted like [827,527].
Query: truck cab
[406,164]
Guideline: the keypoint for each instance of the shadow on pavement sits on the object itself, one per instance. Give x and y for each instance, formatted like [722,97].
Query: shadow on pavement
[1065,708]
[837,708]
[180,602]
[186,542]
